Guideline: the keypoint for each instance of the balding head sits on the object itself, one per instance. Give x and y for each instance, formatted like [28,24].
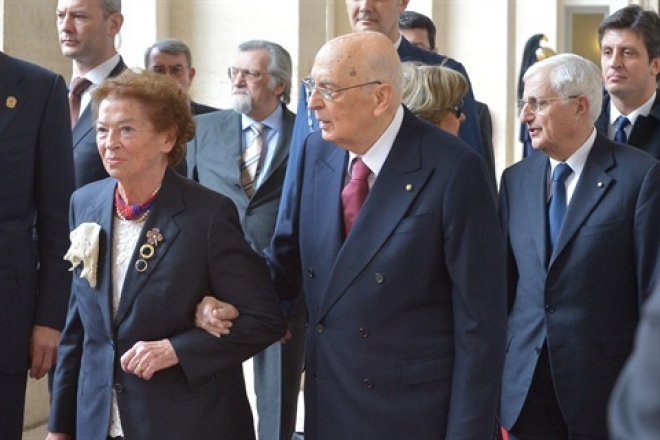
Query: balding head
[362,73]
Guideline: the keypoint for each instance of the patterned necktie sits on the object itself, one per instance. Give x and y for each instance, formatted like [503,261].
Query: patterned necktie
[620,135]
[557,208]
[355,193]
[251,159]
[78,87]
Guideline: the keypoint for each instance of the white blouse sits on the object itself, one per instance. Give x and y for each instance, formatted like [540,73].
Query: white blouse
[126,234]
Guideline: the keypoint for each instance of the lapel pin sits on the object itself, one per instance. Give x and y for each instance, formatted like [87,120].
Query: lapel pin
[148,249]
[600,184]
[409,187]
[11,102]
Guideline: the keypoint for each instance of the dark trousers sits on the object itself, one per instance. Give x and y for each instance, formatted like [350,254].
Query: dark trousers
[12,405]
[540,418]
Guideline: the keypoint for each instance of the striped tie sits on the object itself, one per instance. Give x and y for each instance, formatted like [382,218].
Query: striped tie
[251,159]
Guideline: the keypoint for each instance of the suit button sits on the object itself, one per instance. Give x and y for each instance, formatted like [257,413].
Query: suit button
[368,383]
[537,350]
[319,328]
[310,272]
[118,388]
[379,278]
[364,332]
[248,212]
[549,308]
[237,186]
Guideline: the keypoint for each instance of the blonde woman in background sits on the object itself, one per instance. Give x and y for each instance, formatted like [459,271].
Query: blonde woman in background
[435,93]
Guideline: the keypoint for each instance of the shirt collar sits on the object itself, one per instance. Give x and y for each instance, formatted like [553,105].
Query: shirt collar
[375,156]
[642,110]
[100,72]
[398,42]
[579,158]
[272,121]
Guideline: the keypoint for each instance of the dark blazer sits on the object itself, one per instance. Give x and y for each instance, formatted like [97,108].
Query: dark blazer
[634,411]
[469,130]
[400,327]
[645,134]
[214,159]
[203,251]
[36,165]
[584,299]
[200,109]
[88,164]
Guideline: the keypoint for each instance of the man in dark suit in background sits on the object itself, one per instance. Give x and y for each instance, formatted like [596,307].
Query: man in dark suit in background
[400,325]
[634,411]
[221,158]
[172,57]
[630,60]
[582,232]
[87,30]
[420,31]
[36,166]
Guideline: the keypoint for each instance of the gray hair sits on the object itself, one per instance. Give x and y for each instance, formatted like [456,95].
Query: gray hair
[570,74]
[169,46]
[279,67]
[110,7]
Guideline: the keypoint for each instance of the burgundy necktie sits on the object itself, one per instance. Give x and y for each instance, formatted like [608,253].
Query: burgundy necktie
[78,87]
[355,193]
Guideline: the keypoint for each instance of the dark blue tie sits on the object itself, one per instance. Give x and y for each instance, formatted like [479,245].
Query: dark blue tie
[557,208]
[620,135]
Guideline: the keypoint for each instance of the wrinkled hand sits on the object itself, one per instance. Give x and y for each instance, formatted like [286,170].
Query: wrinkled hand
[146,358]
[57,436]
[215,316]
[43,350]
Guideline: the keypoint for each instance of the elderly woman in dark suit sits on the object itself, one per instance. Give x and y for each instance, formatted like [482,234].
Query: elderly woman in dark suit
[147,245]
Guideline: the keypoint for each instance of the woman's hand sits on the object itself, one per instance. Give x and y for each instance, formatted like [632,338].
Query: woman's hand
[146,358]
[215,316]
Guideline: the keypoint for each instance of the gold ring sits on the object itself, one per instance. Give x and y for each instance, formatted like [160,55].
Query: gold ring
[139,369]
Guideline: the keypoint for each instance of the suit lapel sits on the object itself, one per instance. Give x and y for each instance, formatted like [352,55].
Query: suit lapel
[84,124]
[167,204]
[592,186]
[11,92]
[645,126]
[388,201]
[282,147]
[537,196]
[101,212]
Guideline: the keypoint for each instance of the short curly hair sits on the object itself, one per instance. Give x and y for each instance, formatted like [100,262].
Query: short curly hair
[167,106]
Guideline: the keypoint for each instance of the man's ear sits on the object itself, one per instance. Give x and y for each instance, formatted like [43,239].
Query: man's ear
[583,106]
[116,21]
[191,75]
[382,98]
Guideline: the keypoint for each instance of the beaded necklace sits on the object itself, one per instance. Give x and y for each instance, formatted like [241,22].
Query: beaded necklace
[137,212]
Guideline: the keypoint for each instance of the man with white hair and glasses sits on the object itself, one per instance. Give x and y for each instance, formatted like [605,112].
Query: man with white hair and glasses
[582,235]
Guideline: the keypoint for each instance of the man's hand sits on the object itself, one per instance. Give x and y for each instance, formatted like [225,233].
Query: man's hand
[57,436]
[215,316]
[146,358]
[43,350]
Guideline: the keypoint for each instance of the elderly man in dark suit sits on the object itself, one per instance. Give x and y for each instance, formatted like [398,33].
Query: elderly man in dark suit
[630,60]
[36,165]
[582,231]
[222,157]
[90,43]
[392,216]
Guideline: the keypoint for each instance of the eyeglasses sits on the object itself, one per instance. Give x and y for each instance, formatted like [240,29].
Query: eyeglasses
[249,75]
[329,94]
[539,105]
[457,109]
